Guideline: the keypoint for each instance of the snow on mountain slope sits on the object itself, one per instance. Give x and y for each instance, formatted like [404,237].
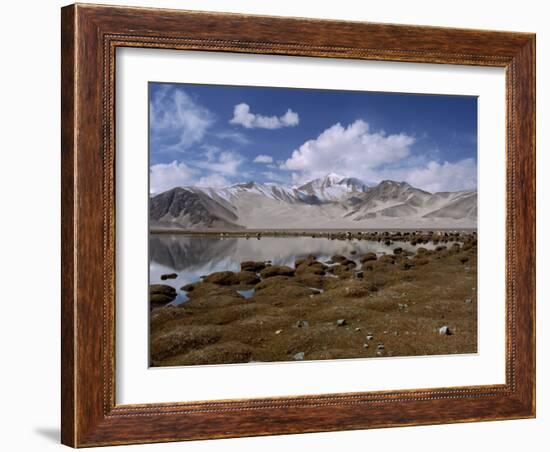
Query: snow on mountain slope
[330,202]
[332,187]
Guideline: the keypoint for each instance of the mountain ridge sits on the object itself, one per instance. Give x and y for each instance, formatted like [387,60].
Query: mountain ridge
[331,201]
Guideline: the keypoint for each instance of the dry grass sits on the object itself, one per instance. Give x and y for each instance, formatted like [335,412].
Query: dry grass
[401,301]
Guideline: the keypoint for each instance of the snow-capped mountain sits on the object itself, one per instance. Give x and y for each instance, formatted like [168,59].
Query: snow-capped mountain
[332,201]
[332,187]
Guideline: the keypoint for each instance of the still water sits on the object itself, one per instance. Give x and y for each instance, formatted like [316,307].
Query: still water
[191,257]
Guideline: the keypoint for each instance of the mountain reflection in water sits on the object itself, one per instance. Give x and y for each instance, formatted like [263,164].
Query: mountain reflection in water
[191,257]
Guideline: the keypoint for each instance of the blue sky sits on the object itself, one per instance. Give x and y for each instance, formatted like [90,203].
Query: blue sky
[209,135]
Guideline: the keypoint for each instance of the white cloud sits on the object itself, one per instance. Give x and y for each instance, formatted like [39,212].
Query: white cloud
[176,120]
[262,158]
[225,163]
[237,137]
[164,176]
[242,116]
[216,171]
[276,177]
[356,151]
[353,150]
[434,176]
[213,180]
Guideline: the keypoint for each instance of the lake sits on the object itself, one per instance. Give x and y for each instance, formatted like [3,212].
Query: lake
[194,256]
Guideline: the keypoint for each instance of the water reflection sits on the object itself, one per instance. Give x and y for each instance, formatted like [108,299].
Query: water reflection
[194,256]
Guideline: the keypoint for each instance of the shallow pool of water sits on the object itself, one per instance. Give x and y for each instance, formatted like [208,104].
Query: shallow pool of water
[191,257]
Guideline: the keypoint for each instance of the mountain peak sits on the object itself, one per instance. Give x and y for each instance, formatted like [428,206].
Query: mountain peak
[333,177]
[330,201]
[392,182]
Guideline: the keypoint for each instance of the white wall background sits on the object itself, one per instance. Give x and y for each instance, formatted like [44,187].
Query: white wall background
[29,109]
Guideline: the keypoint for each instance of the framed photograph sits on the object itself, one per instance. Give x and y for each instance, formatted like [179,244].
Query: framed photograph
[281,225]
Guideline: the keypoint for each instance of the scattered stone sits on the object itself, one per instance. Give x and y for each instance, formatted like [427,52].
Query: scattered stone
[468,301]
[402,306]
[380,353]
[341,322]
[445,331]
[365,345]
[380,346]
[357,329]
[302,324]
[169,276]
[278,331]
[299,356]
[370,337]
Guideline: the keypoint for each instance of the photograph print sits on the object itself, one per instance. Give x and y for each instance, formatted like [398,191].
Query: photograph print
[291,225]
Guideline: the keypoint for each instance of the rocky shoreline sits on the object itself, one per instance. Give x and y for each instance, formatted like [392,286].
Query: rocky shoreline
[350,306]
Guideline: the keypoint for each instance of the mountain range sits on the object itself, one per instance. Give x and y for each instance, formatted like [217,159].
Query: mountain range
[330,202]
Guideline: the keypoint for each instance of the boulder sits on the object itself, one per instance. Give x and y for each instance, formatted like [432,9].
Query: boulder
[162,289]
[338,259]
[307,261]
[159,299]
[343,271]
[252,266]
[271,282]
[368,257]
[309,279]
[315,268]
[188,287]
[387,259]
[247,278]
[341,322]
[277,270]
[225,278]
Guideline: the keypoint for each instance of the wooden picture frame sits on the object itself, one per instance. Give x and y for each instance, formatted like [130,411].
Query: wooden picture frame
[90,36]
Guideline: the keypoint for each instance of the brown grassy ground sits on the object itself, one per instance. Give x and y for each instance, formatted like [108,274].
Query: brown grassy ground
[395,309]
